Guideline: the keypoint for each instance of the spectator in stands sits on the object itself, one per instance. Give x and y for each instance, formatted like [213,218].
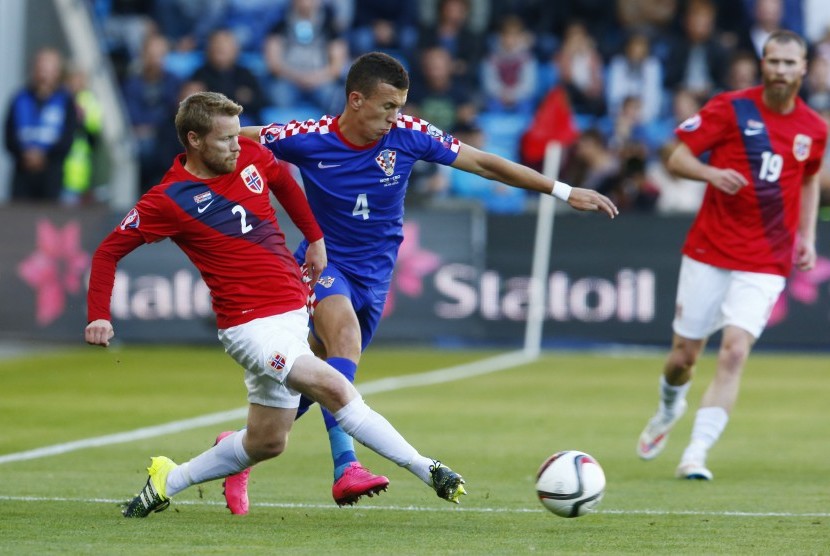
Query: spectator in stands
[251,20]
[452,31]
[678,195]
[695,60]
[591,162]
[685,104]
[653,17]
[188,23]
[438,96]
[78,166]
[40,126]
[627,126]
[306,55]
[581,71]
[222,73]
[151,94]
[817,84]
[743,71]
[767,16]
[381,25]
[123,26]
[509,73]
[631,190]
[544,20]
[636,72]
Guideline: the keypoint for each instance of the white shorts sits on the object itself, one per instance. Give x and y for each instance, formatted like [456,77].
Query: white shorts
[709,298]
[267,349]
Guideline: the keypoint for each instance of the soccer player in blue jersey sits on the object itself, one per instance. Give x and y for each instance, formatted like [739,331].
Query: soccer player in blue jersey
[356,169]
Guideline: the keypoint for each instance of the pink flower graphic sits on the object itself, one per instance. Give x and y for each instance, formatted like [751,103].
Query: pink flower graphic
[413,264]
[54,268]
[802,287]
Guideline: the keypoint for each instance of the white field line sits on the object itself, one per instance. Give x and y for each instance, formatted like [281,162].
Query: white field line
[443,508]
[490,365]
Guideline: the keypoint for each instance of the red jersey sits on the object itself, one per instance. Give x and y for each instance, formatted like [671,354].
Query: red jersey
[755,229]
[227,227]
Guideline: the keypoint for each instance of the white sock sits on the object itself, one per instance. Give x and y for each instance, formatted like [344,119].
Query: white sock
[670,395]
[372,430]
[228,457]
[709,424]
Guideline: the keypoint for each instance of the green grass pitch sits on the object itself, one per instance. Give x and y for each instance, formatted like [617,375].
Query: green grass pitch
[771,493]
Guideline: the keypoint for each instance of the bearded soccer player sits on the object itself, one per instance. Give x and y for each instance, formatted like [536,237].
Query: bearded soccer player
[758,218]
[356,169]
[214,204]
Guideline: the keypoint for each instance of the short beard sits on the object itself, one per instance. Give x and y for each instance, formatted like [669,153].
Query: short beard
[781,96]
[219,168]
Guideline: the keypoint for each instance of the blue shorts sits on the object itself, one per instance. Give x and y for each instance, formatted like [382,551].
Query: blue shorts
[367,301]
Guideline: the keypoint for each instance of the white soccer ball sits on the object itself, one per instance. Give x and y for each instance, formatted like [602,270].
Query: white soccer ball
[570,483]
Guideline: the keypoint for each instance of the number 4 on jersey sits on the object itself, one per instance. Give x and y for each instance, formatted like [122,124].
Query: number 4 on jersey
[361,207]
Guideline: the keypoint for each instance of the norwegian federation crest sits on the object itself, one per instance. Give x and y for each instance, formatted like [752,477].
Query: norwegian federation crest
[277,361]
[252,179]
[386,161]
[801,147]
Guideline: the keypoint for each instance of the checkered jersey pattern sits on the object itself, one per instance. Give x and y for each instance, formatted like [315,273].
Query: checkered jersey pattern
[417,124]
[273,132]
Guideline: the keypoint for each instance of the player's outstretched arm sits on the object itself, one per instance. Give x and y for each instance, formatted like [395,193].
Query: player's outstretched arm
[494,167]
[99,333]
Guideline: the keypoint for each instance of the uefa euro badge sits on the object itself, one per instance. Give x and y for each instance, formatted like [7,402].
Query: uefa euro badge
[386,161]
[252,179]
[131,220]
[801,147]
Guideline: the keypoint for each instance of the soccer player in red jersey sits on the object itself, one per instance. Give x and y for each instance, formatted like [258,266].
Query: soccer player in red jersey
[758,218]
[214,204]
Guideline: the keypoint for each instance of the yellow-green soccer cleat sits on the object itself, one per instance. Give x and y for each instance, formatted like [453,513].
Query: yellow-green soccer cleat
[448,484]
[152,497]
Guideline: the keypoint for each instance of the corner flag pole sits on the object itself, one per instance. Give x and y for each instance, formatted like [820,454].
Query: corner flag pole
[541,256]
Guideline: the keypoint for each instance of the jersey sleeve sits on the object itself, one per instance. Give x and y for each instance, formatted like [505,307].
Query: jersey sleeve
[115,246]
[434,144]
[708,127]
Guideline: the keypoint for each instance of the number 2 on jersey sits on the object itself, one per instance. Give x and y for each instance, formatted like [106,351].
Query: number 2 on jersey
[243,218]
[361,207]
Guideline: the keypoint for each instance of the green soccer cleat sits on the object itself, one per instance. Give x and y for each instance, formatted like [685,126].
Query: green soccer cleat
[152,497]
[448,484]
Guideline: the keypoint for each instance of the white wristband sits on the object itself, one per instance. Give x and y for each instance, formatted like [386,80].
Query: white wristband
[561,190]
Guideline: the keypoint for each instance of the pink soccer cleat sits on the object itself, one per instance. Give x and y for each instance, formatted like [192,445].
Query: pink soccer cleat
[235,487]
[355,482]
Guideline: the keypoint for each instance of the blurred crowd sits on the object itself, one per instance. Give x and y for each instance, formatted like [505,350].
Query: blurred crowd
[609,79]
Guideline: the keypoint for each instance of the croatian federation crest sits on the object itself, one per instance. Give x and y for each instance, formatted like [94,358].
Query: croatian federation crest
[386,161]
[252,179]
[801,147]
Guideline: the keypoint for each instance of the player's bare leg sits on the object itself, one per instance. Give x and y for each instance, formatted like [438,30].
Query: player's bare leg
[717,403]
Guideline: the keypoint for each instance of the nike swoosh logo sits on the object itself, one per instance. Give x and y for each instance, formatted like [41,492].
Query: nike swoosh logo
[750,132]
[204,208]
[322,166]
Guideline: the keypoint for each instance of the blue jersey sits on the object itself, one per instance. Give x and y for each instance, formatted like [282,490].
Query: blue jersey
[357,193]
